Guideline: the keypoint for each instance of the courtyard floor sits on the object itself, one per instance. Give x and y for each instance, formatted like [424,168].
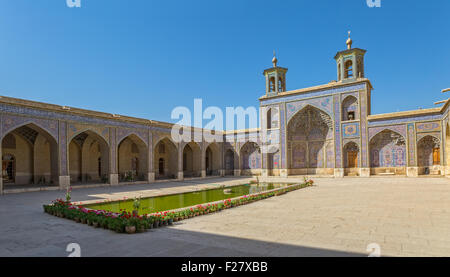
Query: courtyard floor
[336,217]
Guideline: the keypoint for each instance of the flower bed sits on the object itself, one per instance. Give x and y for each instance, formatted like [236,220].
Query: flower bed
[132,223]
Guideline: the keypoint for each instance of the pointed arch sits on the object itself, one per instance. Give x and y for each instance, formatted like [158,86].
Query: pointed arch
[12,123]
[229,161]
[165,152]
[351,158]
[122,134]
[166,138]
[213,159]
[250,154]
[350,108]
[33,124]
[89,158]
[132,159]
[309,133]
[388,150]
[192,166]
[375,131]
[89,131]
[309,106]
[428,153]
[35,153]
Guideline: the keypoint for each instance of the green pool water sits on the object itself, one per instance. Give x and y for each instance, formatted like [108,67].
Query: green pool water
[175,201]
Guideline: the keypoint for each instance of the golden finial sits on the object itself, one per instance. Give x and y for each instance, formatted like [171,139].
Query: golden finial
[274,60]
[349,41]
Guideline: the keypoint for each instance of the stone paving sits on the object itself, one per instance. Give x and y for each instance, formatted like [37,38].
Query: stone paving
[337,217]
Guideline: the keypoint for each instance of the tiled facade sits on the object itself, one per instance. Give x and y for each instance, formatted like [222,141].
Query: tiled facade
[377,144]
[326,130]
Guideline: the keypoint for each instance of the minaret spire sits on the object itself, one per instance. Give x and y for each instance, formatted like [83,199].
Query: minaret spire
[274,60]
[349,41]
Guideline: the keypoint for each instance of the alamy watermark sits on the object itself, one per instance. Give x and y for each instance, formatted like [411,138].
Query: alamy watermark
[373,3]
[73,3]
[74,250]
[374,250]
[235,118]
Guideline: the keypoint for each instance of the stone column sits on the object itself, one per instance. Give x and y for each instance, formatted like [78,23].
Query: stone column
[237,161]
[150,157]
[64,176]
[203,157]
[113,169]
[180,161]
[222,161]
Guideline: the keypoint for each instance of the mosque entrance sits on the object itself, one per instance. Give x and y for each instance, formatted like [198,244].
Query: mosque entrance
[310,142]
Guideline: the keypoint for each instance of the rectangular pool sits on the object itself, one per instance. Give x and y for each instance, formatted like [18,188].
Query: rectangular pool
[187,199]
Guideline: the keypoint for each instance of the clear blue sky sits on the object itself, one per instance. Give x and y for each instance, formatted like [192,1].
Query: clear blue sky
[143,58]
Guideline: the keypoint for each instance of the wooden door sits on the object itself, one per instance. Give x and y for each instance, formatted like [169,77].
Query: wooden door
[352,158]
[436,156]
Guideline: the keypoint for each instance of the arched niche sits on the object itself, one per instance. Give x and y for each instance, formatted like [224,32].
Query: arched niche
[29,157]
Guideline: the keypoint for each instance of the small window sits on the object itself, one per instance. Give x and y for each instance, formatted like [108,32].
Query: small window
[351,116]
[348,69]
[281,85]
[272,84]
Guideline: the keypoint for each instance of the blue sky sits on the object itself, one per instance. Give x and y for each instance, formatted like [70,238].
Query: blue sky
[143,58]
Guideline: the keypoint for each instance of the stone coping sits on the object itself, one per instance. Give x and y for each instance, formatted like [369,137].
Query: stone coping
[234,198]
[125,196]
[209,203]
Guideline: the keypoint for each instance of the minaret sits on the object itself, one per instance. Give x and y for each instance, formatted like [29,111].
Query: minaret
[275,78]
[350,62]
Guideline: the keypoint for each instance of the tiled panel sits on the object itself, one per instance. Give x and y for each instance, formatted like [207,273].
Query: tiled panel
[350,130]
